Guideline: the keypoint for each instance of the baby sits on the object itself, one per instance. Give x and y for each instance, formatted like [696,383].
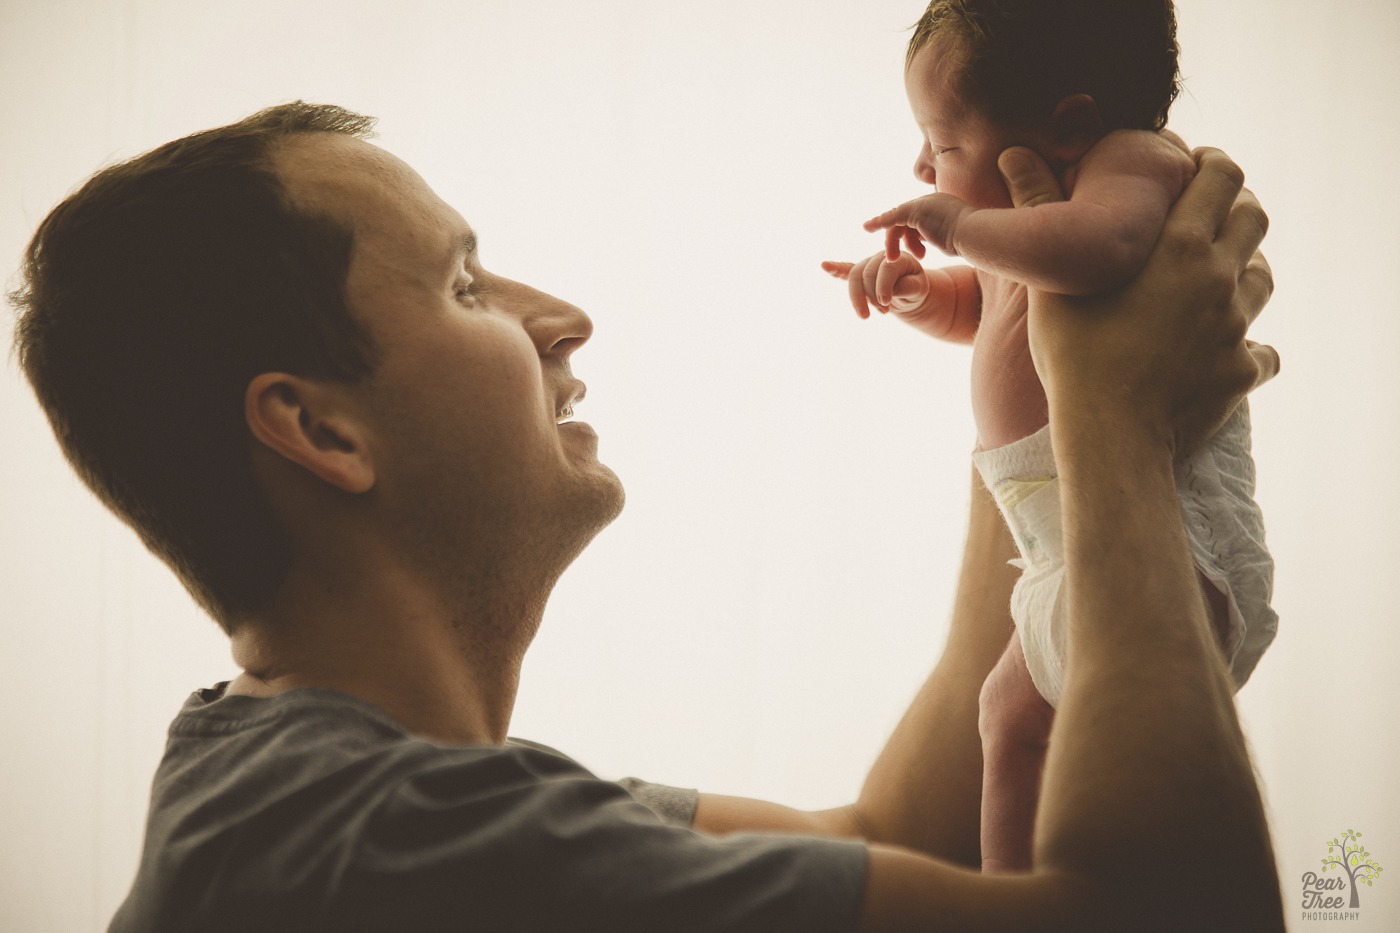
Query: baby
[1086,84]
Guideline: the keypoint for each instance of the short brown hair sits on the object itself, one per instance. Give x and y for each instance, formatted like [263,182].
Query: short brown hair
[150,298]
[1021,57]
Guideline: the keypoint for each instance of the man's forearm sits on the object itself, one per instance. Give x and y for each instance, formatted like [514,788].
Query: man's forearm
[924,791]
[1148,770]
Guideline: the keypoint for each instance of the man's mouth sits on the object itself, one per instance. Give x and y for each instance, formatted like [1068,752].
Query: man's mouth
[566,409]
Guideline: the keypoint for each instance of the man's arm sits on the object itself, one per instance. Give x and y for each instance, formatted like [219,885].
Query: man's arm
[924,790]
[1147,757]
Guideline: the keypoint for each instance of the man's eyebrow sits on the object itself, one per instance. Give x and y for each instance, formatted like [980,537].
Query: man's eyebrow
[463,246]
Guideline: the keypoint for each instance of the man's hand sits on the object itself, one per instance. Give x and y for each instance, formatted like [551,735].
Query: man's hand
[1167,354]
[933,217]
[1148,753]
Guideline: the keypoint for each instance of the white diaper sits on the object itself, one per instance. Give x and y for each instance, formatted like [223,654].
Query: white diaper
[1223,525]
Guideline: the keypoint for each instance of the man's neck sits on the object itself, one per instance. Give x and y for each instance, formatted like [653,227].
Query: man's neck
[446,673]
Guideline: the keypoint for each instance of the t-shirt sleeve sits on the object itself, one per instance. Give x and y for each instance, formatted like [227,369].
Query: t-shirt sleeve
[675,805]
[526,841]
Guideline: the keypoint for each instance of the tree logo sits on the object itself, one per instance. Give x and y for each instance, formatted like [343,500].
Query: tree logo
[1353,860]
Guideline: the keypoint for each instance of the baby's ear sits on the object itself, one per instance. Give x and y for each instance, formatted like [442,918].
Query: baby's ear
[1075,125]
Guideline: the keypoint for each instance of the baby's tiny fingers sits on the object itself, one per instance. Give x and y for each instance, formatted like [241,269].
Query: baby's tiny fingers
[895,216]
[884,220]
[870,278]
[893,236]
[885,280]
[914,242]
[856,286]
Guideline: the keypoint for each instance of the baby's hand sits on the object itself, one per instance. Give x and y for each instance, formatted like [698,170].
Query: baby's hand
[896,284]
[934,217]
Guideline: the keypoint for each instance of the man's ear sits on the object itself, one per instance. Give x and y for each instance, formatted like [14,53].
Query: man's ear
[1075,125]
[307,423]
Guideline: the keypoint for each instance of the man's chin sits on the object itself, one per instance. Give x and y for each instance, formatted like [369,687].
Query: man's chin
[597,504]
[613,496]
[592,513]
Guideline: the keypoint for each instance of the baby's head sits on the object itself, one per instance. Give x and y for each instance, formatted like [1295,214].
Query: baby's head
[1055,75]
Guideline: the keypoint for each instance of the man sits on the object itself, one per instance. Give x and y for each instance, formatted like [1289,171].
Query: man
[274,351]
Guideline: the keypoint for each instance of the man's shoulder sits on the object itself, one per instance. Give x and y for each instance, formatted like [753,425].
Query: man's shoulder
[285,795]
[317,813]
[315,736]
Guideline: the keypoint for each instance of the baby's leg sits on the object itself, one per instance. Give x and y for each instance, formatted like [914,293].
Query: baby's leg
[1014,721]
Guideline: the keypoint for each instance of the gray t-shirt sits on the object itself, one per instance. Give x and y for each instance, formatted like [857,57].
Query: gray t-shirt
[313,810]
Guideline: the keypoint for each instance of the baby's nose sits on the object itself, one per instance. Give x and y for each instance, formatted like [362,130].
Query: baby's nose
[923,169]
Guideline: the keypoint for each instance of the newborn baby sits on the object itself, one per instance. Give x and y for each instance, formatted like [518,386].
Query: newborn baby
[1086,84]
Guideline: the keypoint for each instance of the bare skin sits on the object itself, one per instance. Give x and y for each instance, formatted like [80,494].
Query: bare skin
[1137,771]
[1123,184]
[433,507]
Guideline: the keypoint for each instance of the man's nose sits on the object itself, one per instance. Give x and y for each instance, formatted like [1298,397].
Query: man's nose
[557,327]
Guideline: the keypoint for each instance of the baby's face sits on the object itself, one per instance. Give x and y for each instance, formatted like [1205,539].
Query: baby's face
[960,148]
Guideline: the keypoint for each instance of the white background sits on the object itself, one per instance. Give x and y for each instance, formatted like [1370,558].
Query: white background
[780,581]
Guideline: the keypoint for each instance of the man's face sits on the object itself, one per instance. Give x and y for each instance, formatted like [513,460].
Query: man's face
[476,456]
[960,146]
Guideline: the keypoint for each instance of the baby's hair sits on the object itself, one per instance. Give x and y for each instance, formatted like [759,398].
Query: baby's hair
[1018,58]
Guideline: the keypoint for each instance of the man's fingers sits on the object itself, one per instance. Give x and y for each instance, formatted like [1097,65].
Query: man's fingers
[1266,358]
[840,270]
[1028,178]
[1245,227]
[1208,199]
[1256,285]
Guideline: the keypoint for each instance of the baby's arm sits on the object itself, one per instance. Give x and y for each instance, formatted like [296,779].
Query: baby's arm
[945,303]
[1091,243]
